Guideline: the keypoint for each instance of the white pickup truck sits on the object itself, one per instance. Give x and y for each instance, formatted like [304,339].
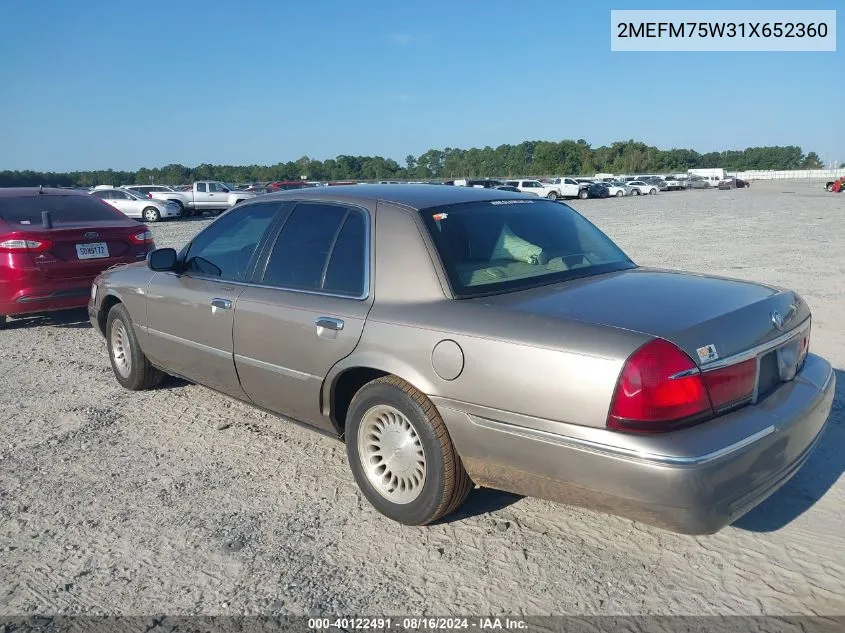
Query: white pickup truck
[205,195]
[552,190]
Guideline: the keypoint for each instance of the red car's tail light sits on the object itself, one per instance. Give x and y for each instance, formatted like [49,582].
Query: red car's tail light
[660,388]
[19,243]
[142,237]
[732,384]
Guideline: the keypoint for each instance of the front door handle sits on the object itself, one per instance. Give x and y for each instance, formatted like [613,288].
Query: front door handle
[222,304]
[329,323]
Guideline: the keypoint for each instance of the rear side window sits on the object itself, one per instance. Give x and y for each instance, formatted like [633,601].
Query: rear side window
[27,210]
[320,248]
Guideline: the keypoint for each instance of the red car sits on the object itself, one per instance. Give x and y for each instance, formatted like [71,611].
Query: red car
[53,242]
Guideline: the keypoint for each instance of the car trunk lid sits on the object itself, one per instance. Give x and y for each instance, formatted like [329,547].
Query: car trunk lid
[81,250]
[710,318]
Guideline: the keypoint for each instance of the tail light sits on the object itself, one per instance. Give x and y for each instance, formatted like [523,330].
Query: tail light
[21,243]
[660,388]
[142,237]
[731,385]
[150,196]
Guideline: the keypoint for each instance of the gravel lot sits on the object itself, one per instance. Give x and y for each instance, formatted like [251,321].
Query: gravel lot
[182,501]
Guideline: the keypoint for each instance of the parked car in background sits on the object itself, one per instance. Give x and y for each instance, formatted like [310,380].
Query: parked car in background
[514,190]
[835,186]
[639,187]
[564,187]
[286,185]
[53,242]
[732,183]
[672,183]
[147,190]
[696,182]
[544,190]
[508,363]
[203,196]
[661,184]
[136,205]
[594,190]
[618,189]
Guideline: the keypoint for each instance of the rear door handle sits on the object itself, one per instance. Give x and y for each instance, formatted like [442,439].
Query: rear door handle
[223,304]
[329,323]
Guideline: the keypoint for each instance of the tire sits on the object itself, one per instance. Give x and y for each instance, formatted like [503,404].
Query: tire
[552,195]
[830,187]
[438,484]
[137,374]
[583,194]
[151,214]
[619,194]
[652,191]
[2,321]
[635,192]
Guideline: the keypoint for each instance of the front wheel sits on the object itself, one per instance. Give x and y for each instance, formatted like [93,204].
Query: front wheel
[583,194]
[635,192]
[131,367]
[652,191]
[151,214]
[401,455]
[830,187]
[619,194]
[552,195]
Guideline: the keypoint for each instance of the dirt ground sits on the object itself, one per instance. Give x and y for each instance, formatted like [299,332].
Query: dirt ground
[182,501]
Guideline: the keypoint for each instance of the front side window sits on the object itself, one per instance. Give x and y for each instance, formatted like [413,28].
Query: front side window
[506,245]
[226,247]
[215,187]
[322,248]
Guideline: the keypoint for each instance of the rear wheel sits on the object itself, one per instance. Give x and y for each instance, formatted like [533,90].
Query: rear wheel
[635,192]
[830,187]
[583,194]
[131,367]
[2,321]
[552,195]
[401,455]
[182,212]
[619,194]
[151,214]
[652,191]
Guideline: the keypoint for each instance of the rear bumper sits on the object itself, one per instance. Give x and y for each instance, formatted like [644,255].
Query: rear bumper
[58,295]
[693,481]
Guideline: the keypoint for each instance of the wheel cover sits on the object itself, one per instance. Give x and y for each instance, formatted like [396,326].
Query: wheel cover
[391,454]
[120,349]
[150,215]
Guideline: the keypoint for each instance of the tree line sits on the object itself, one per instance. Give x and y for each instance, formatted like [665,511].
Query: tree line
[530,158]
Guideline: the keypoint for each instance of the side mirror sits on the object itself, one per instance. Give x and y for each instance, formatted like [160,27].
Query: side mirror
[162,259]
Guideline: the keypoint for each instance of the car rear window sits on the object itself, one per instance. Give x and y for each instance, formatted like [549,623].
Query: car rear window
[27,210]
[506,245]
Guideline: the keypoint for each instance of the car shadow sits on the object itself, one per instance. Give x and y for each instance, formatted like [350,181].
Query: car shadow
[479,502]
[75,319]
[172,382]
[822,470]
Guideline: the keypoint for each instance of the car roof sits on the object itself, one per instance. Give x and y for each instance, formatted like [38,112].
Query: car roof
[413,196]
[21,192]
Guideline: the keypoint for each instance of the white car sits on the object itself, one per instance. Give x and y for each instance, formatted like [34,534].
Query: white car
[618,189]
[642,187]
[673,183]
[137,206]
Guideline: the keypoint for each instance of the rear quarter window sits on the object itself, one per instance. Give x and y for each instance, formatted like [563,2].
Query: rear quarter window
[26,210]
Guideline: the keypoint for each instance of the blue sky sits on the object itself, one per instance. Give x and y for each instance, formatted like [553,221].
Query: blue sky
[98,84]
